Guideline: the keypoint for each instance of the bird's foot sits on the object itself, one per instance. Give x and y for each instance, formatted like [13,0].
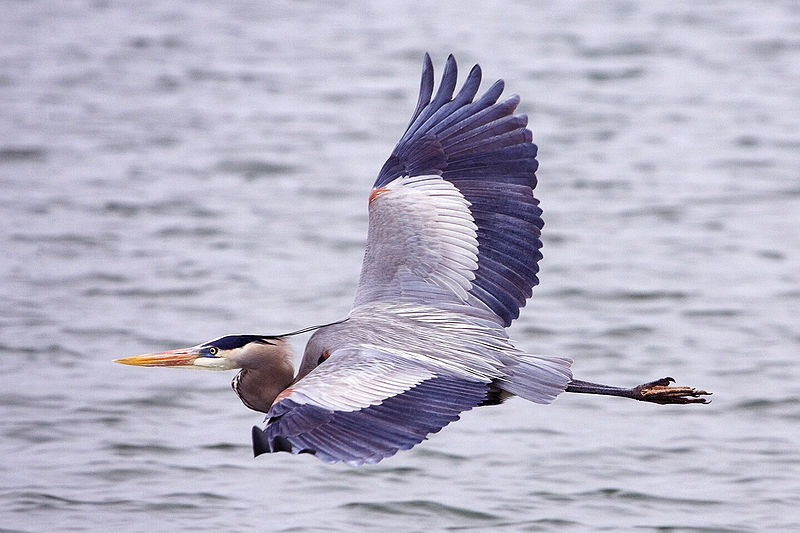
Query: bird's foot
[660,391]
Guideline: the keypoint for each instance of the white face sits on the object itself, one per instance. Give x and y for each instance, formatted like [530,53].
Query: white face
[222,361]
[226,353]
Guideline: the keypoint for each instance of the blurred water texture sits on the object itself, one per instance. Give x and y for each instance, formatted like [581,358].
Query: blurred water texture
[176,171]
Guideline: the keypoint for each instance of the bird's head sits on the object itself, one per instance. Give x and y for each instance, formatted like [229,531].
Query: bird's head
[224,353]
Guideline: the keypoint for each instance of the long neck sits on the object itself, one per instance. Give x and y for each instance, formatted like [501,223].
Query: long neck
[258,389]
[259,385]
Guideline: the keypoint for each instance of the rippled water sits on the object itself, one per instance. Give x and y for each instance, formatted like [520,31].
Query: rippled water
[174,171]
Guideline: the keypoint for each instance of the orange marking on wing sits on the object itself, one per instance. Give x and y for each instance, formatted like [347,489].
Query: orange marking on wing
[377,191]
[283,394]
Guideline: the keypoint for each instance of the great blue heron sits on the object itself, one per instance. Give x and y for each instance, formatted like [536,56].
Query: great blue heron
[452,252]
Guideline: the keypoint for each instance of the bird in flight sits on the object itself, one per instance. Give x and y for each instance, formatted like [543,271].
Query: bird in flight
[452,255]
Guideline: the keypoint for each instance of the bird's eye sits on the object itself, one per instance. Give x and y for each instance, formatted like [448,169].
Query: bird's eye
[213,350]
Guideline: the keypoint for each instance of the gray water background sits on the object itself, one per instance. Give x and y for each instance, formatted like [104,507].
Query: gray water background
[175,171]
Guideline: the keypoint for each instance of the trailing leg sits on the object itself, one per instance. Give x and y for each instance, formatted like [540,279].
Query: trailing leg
[658,391]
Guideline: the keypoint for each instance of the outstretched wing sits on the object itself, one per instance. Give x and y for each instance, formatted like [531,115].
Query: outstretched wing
[364,404]
[452,212]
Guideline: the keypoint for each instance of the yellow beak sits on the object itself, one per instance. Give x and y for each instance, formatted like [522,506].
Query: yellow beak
[180,357]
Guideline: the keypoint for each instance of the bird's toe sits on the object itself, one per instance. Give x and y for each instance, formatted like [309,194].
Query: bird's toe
[661,392]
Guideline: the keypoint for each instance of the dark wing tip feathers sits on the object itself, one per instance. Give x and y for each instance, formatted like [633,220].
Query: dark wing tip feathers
[260,442]
[425,88]
[486,151]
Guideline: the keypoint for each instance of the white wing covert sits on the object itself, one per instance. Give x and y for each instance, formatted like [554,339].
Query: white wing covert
[421,237]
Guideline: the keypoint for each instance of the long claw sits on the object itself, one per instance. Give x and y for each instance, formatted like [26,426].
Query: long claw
[663,382]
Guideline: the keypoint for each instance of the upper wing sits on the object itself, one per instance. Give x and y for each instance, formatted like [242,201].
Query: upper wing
[452,212]
[364,404]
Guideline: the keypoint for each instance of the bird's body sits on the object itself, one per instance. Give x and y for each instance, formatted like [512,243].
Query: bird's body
[452,255]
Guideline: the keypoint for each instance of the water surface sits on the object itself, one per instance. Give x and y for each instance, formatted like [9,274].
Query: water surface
[172,172]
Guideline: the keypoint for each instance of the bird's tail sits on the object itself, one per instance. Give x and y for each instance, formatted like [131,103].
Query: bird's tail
[537,378]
